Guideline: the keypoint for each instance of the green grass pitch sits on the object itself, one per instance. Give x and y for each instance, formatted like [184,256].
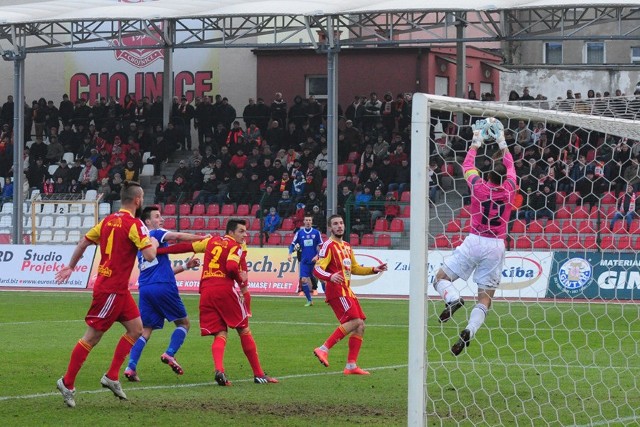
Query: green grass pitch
[533,364]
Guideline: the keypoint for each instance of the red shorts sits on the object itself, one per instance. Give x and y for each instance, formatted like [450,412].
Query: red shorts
[346,308]
[222,307]
[106,309]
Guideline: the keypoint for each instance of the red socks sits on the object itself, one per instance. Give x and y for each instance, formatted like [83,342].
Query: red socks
[78,356]
[335,337]
[217,351]
[355,342]
[250,350]
[122,350]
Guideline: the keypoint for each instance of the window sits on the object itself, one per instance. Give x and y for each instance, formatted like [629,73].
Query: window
[442,86]
[552,53]
[317,86]
[486,88]
[635,55]
[594,53]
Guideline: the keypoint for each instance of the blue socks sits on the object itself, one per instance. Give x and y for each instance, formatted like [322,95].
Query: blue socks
[177,338]
[307,291]
[136,350]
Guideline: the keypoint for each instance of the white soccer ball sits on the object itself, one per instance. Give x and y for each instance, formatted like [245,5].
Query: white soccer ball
[490,128]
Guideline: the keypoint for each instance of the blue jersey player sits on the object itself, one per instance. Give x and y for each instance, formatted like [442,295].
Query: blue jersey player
[159,298]
[307,242]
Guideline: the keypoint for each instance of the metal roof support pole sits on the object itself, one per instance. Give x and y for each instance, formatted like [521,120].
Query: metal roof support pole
[167,75]
[461,67]
[332,119]
[17,56]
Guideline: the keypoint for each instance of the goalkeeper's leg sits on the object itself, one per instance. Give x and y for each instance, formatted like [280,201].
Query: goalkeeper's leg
[443,284]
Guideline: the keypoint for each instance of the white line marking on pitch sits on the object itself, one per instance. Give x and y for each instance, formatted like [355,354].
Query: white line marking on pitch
[608,422]
[163,387]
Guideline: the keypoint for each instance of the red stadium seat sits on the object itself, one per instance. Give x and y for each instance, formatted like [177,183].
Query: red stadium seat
[198,224]
[169,210]
[570,227]
[397,225]
[243,210]
[353,156]
[405,211]
[586,227]
[636,244]
[274,239]
[254,210]
[368,240]
[198,210]
[552,227]
[454,226]
[624,243]
[223,226]
[213,224]
[518,226]
[254,225]
[442,242]
[523,242]
[384,240]
[466,228]
[195,194]
[464,213]
[580,212]
[406,196]
[380,225]
[213,210]
[635,227]
[5,238]
[228,210]
[540,242]
[572,198]
[563,213]
[255,240]
[354,239]
[185,223]
[343,169]
[185,209]
[558,243]
[535,227]
[287,239]
[608,242]
[574,242]
[287,224]
[620,227]
[590,243]
[456,240]
[170,223]
[608,198]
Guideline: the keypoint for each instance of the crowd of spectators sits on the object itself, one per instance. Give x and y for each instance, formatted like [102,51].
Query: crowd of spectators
[581,165]
[275,154]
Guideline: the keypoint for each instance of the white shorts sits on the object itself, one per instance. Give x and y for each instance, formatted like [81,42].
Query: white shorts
[485,255]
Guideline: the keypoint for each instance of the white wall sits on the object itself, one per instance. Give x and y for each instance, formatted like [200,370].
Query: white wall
[553,83]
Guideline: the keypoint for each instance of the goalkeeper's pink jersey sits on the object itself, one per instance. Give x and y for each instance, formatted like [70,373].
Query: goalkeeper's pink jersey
[491,204]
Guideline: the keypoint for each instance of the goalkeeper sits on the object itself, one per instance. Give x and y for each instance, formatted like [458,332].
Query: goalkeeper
[306,242]
[482,251]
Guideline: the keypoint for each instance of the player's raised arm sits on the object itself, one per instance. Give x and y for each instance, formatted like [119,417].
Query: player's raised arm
[360,270]
[183,237]
[507,158]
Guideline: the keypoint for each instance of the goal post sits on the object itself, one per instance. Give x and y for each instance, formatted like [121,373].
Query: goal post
[559,343]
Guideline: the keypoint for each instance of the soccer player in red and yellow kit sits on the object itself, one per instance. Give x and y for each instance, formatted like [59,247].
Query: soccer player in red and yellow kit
[222,305]
[335,267]
[120,236]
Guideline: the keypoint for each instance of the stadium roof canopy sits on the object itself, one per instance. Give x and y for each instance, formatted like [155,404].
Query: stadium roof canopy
[73,24]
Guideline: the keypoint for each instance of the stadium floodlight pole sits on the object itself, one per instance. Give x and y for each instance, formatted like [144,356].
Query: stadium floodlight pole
[419,260]
[332,119]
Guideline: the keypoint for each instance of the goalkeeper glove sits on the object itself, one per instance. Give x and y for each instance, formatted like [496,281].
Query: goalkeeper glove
[502,143]
[476,142]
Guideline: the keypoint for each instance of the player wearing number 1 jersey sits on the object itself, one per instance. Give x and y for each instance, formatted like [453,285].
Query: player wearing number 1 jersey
[120,236]
[482,251]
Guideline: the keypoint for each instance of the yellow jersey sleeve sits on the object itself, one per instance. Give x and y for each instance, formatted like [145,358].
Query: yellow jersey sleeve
[200,246]
[94,234]
[357,269]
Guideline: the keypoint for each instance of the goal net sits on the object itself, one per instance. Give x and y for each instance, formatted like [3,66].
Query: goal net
[559,345]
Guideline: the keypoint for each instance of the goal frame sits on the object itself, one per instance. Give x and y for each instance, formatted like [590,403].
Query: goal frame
[419,257]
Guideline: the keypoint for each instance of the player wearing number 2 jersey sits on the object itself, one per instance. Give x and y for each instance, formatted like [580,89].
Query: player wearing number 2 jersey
[221,304]
[482,251]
